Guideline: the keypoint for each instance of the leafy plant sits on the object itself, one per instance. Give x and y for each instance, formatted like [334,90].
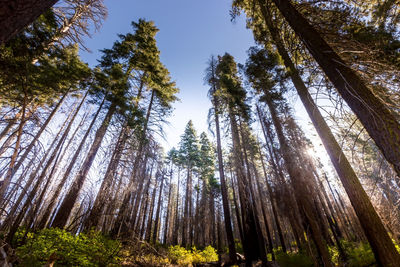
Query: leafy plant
[64,249]
[293,259]
[359,254]
[181,256]
[209,254]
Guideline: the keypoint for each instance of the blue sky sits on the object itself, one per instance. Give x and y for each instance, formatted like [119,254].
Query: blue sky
[190,31]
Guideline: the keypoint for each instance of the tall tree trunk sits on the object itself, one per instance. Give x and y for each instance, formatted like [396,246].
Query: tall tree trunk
[150,219]
[17,14]
[273,204]
[14,168]
[49,162]
[10,124]
[28,205]
[188,199]
[8,177]
[136,164]
[167,216]
[237,212]
[259,196]
[69,201]
[224,191]
[98,205]
[301,192]
[157,219]
[353,90]
[146,206]
[293,214]
[176,223]
[251,247]
[378,120]
[42,222]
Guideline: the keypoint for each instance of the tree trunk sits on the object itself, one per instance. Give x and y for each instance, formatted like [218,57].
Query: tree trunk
[301,192]
[11,167]
[136,164]
[102,195]
[48,210]
[150,219]
[224,191]
[378,120]
[49,162]
[251,247]
[375,231]
[167,216]
[12,170]
[176,223]
[69,201]
[17,14]
[157,219]
[273,204]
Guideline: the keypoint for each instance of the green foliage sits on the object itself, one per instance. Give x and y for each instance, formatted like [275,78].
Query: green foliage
[181,256]
[359,254]
[231,90]
[238,246]
[209,254]
[91,249]
[189,150]
[293,259]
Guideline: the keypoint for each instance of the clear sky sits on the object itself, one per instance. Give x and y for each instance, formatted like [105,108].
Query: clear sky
[190,32]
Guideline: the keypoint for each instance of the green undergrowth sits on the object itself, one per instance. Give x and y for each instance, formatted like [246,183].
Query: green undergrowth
[293,259]
[61,248]
[65,249]
[184,257]
[358,254]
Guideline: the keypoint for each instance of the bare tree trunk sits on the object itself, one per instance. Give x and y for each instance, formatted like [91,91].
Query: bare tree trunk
[167,217]
[150,219]
[176,223]
[41,177]
[273,204]
[14,168]
[157,219]
[98,205]
[69,201]
[186,215]
[329,60]
[225,202]
[378,120]
[237,212]
[8,177]
[251,247]
[136,164]
[300,186]
[17,14]
[49,208]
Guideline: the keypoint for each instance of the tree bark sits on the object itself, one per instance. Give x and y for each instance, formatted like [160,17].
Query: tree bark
[48,210]
[69,201]
[301,192]
[17,14]
[224,191]
[380,123]
[157,219]
[14,168]
[381,244]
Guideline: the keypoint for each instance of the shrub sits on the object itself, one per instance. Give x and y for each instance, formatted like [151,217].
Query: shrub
[92,249]
[293,259]
[181,256]
[359,254]
[209,254]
